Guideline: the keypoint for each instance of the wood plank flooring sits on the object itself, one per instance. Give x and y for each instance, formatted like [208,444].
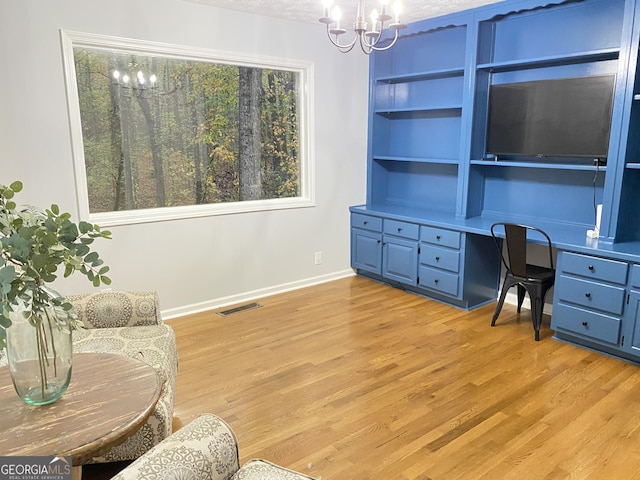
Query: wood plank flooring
[356,380]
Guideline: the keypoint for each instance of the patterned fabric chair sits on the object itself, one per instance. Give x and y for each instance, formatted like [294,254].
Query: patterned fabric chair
[129,323]
[205,449]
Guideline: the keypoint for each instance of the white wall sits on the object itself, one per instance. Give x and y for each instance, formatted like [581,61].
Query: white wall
[193,263]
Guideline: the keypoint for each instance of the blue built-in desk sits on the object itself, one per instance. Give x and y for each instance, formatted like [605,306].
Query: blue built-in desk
[596,299]
[435,185]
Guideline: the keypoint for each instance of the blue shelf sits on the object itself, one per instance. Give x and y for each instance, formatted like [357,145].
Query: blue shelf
[426,75]
[443,111]
[553,60]
[546,166]
[632,166]
[388,158]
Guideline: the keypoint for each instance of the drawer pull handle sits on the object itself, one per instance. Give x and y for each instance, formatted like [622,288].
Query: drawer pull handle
[585,324]
[437,259]
[590,267]
[437,237]
[436,281]
[365,222]
[379,241]
[399,229]
[588,295]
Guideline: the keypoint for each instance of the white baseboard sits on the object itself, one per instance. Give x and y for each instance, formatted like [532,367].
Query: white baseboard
[512,299]
[253,295]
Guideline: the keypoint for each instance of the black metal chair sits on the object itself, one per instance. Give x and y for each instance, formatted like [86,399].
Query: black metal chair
[532,279]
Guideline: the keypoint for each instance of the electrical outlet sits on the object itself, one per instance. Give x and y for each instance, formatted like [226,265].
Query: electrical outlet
[318,258]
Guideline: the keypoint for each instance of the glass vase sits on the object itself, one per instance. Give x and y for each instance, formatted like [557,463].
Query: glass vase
[39,352]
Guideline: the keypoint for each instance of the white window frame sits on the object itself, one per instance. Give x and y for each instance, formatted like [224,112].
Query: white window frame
[303,69]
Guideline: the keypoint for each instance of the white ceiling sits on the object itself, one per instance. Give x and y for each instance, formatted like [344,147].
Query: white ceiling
[309,11]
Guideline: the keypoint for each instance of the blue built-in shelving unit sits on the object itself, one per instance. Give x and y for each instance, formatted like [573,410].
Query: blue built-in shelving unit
[433,192]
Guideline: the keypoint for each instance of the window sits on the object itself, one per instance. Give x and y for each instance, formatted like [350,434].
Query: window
[161,131]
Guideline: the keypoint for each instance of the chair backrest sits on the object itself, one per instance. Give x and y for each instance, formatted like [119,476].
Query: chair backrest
[516,241]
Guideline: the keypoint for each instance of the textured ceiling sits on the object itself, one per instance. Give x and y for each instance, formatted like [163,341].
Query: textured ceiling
[310,10]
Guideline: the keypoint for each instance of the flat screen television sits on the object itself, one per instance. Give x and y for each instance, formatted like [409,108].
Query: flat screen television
[568,117]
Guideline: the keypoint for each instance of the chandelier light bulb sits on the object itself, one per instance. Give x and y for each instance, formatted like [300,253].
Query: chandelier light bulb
[153,79]
[382,35]
[374,20]
[116,74]
[397,10]
[336,14]
[125,78]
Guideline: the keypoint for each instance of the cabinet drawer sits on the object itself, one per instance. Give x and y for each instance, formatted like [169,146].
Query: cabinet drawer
[585,323]
[440,236]
[366,222]
[438,280]
[440,257]
[401,229]
[599,296]
[593,267]
[635,276]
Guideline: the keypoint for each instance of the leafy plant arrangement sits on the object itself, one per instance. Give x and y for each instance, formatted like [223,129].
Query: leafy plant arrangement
[34,243]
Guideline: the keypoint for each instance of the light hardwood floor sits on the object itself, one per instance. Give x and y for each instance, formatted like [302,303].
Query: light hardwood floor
[356,380]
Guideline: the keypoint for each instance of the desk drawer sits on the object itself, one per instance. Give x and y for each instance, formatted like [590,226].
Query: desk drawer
[440,236]
[585,323]
[635,276]
[366,222]
[599,296]
[444,258]
[438,280]
[401,229]
[593,267]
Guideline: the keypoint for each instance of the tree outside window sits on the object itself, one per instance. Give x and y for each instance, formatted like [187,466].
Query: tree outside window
[160,129]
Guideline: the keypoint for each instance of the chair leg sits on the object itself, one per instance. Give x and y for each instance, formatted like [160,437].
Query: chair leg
[536,295]
[521,294]
[506,285]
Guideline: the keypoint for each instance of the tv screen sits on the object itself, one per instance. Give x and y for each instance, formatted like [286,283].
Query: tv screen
[569,117]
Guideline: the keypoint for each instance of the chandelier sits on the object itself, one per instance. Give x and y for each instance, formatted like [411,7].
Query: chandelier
[369,38]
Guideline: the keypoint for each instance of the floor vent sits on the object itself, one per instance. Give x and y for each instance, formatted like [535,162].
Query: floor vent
[241,308]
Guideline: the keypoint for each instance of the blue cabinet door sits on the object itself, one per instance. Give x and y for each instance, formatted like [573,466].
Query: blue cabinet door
[632,324]
[400,260]
[366,250]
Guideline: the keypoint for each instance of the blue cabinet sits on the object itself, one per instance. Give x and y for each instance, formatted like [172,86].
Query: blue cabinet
[632,317]
[399,260]
[458,268]
[589,298]
[366,243]
[428,163]
[400,251]
[597,304]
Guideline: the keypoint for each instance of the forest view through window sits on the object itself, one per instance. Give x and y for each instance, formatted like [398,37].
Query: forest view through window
[163,131]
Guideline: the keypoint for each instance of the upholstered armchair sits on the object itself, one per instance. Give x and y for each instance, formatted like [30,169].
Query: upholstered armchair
[129,323]
[205,449]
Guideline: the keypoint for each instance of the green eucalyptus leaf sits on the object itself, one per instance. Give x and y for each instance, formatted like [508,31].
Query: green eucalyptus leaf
[16,186]
[85,227]
[105,280]
[7,275]
[68,270]
[91,257]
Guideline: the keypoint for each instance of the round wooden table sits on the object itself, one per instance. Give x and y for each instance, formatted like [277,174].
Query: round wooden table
[109,398]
